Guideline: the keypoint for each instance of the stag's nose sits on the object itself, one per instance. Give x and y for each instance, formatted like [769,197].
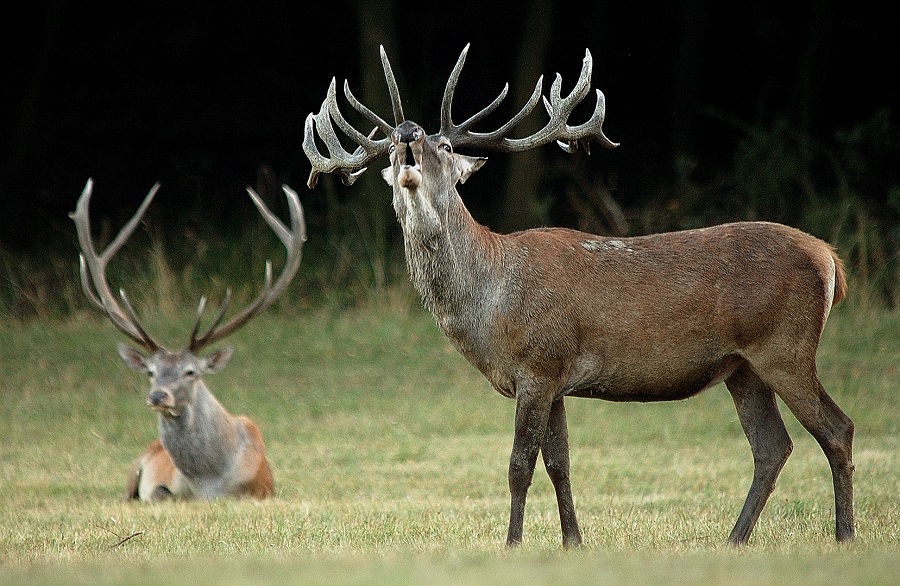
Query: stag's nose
[408,132]
[158,398]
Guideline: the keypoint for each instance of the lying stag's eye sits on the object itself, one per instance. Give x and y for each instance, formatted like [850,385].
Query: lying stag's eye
[190,372]
[447,147]
[391,149]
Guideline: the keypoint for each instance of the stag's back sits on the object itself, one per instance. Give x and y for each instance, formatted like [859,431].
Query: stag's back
[658,315]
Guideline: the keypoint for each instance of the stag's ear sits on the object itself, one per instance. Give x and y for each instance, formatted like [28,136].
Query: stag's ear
[217,360]
[131,357]
[465,166]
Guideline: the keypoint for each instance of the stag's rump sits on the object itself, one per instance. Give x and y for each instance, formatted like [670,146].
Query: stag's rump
[658,317]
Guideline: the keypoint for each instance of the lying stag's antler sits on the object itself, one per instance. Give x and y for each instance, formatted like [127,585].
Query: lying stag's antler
[93,271]
[350,165]
[93,267]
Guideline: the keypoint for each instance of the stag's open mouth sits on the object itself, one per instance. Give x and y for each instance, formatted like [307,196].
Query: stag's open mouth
[410,174]
[409,177]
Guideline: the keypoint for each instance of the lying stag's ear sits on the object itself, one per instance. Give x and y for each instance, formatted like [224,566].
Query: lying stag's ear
[217,360]
[467,165]
[131,357]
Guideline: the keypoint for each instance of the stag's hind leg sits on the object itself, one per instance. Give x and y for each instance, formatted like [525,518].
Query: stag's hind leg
[805,396]
[769,442]
[555,451]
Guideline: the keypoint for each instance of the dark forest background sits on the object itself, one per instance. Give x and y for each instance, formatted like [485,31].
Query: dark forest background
[783,111]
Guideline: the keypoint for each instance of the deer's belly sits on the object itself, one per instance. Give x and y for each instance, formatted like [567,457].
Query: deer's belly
[659,383]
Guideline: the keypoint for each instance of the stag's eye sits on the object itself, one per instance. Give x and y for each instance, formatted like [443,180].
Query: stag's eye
[190,373]
[391,149]
[447,147]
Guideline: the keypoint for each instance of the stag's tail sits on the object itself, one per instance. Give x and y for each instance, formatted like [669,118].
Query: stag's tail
[840,279]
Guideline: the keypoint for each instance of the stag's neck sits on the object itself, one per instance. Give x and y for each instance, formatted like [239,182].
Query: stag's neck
[202,438]
[456,270]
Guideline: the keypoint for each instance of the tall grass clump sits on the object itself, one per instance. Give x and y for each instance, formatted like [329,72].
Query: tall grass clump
[37,285]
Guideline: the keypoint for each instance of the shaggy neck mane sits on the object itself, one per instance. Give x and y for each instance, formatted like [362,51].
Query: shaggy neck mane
[205,429]
[451,267]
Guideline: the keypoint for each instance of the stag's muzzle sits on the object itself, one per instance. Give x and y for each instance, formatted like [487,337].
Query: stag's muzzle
[163,401]
[408,141]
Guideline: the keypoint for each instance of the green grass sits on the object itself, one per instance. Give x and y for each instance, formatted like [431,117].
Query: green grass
[390,456]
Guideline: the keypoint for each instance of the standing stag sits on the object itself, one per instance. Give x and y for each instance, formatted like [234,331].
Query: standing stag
[552,313]
[203,451]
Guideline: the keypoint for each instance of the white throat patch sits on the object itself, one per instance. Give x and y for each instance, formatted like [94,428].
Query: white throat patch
[421,216]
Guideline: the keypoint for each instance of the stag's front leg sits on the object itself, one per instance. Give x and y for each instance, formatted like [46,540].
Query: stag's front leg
[555,451]
[532,412]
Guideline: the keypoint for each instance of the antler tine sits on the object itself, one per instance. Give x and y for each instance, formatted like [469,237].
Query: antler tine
[201,306]
[132,314]
[347,165]
[371,116]
[293,240]
[459,134]
[223,307]
[92,267]
[447,125]
[558,108]
[392,87]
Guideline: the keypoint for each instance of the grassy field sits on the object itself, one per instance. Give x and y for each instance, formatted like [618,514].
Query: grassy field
[390,456]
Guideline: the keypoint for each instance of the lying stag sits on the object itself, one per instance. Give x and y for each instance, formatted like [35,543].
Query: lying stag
[551,313]
[203,451]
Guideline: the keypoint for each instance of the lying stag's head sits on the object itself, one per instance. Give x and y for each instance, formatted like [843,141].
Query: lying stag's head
[174,376]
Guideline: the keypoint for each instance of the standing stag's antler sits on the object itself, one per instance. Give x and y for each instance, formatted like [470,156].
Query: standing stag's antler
[350,165]
[558,108]
[93,271]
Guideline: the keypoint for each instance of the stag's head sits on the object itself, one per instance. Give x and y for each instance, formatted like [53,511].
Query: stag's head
[426,167]
[175,376]
[423,173]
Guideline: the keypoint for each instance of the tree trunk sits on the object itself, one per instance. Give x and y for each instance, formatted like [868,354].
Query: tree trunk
[688,72]
[521,207]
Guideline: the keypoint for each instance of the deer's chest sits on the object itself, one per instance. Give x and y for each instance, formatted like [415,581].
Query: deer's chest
[200,451]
